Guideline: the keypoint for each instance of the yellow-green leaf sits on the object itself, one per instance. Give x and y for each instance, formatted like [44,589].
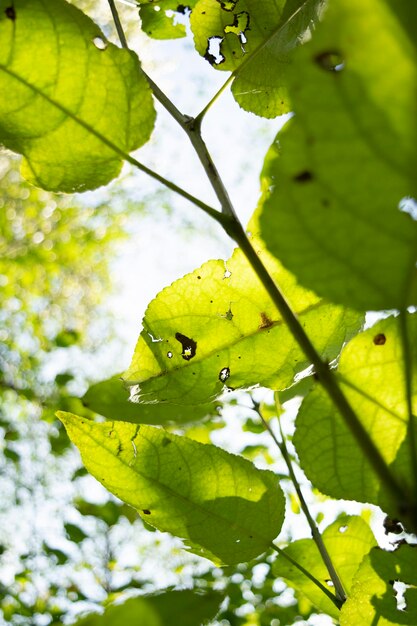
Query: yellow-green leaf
[217,328]
[371,374]
[384,590]
[255,40]
[347,541]
[221,505]
[75,102]
[111,399]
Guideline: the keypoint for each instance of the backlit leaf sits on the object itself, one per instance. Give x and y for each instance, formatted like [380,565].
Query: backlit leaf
[220,504]
[217,328]
[110,398]
[384,590]
[255,40]
[159,609]
[347,541]
[67,89]
[371,374]
[339,211]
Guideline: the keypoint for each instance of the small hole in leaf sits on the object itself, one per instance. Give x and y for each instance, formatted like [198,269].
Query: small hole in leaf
[189,346]
[408,205]
[99,43]
[331,61]
[380,339]
[224,374]
[213,52]
[343,529]
[146,512]
[169,355]
[329,583]
[157,8]
[400,588]
[237,540]
[227,274]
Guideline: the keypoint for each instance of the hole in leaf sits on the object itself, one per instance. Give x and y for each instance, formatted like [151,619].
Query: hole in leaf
[380,339]
[343,529]
[304,177]
[213,53]
[99,43]
[169,355]
[331,61]
[392,526]
[239,26]
[227,273]
[408,205]
[10,13]
[146,512]
[224,374]
[189,346]
[227,5]
[329,583]
[400,588]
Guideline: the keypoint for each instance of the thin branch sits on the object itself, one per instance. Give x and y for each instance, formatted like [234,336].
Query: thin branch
[118,24]
[200,116]
[316,535]
[308,574]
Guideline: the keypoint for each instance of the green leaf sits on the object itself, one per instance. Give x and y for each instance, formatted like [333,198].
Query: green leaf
[220,504]
[371,374]
[75,101]
[217,328]
[74,533]
[384,590]
[333,216]
[255,40]
[110,398]
[159,20]
[159,610]
[347,540]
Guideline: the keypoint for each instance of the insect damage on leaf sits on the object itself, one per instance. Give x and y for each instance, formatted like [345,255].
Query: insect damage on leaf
[213,53]
[224,374]
[189,346]
[266,322]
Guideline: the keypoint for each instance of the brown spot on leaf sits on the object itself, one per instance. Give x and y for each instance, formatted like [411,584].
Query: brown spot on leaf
[303,177]
[265,321]
[10,13]
[146,512]
[380,339]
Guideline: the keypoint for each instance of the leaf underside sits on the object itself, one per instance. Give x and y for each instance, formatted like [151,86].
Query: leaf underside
[220,504]
[339,213]
[69,91]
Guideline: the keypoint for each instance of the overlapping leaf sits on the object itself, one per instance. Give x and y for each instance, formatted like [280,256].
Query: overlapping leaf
[347,541]
[193,609]
[255,40]
[159,19]
[371,374]
[349,159]
[75,102]
[384,590]
[217,328]
[220,504]
[110,398]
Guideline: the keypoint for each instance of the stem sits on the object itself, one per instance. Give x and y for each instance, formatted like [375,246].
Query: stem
[308,574]
[218,93]
[118,24]
[408,375]
[315,533]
